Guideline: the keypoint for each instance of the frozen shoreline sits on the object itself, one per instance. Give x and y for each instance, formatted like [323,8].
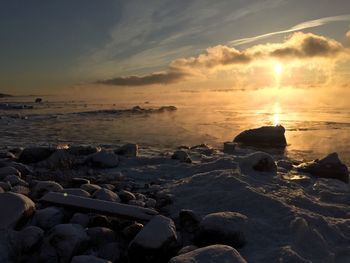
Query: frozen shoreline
[291,216]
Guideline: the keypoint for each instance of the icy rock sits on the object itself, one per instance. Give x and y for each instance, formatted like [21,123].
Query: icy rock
[222,228]
[110,252]
[8,170]
[100,235]
[155,242]
[90,188]
[129,150]
[88,259]
[182,156]
[43,187]
[126,196]
[106,195]
[80,218]
[328,167]
[35,154]
[215,253]
[15,209]
[104,159]
[75,191]
[48,217]
[63,242]
[30,238]
[258,161]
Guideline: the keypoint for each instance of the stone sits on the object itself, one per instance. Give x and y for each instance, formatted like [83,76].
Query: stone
[328,167]
[189,220]
[150,202]
[6,186]
[285,164]
[270,136]
[110,252]
[19,189]
[15,209]
[38,100]
[81,219]
[137,203]
[225,228]
[59,159]
[30,238]
[126,196]
[186,249]
[76,191]
[129,150]
[15,180]
[259,162]
[155,242]
[90,188]
[210,254]
[229,147]
[82,150]
[132,230]
[107,195]
[48,217]
[100,235]
[63,242]
[8,170]
[78,182]
[88,259]
[43,187]
[35,154]
[9,246]
[182,156]
[104,159]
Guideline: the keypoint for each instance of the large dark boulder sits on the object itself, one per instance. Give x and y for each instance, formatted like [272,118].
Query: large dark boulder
[35,154]
[328,167]
[269,136]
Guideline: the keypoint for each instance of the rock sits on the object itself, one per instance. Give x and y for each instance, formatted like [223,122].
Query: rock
[81,219]
[186,249]
[155,242]
[222,228]
[210,254]
[110,252]
[90,188]
[126,196]
[258,161]
[151,202]
[229,147]
[132,230]
[19,189]
[182,156]
[78,182]
[285,164]
[137,203]
[15,209]
[9,246]
[82,150]
[272,136]
[129,150]
[38,100]
[8,170]
[63,242]
[100,235]
[35,154]
[59,159]
[75,191]
[88,259]
[328,167]
[189,220]
[99,221]
[1,190]
[31,238]
[22,168]
[104,159]
[107,195]
[15,180]
[43,187]
[48,217]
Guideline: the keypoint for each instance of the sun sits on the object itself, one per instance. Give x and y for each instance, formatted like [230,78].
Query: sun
[278,69]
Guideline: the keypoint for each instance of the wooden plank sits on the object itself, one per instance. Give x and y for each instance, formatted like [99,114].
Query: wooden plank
[99,206]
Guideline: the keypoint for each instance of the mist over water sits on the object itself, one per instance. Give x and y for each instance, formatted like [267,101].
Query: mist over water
[211,117]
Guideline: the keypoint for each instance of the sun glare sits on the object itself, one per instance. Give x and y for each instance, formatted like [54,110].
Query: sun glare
[278,69]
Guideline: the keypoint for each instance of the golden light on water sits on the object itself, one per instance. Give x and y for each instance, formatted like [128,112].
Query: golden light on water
[276,114]
[278,69]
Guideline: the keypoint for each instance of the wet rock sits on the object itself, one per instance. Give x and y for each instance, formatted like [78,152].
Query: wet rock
[43,187]
[48,217]
[182,156]
[328,167]
[258,161]
[132,230]
[272,136]
[215,253]
[90,188]
[76,191]
[88,259]
[35,154]
[38,100]
[155,242]
[106,195]
[110,252]
[104,159]
[81,219]
[126,196]
[30,238]
[8,170]
[129,150]
[222,228]
[15,209]
[82,150]
[63,242]
[100,235]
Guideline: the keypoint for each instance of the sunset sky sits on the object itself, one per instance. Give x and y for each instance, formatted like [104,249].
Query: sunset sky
[51,46]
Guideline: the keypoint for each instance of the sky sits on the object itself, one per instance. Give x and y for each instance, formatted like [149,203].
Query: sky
[61,45]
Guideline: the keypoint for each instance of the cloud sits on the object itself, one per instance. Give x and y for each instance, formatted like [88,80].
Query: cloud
[298,27]
[154,78]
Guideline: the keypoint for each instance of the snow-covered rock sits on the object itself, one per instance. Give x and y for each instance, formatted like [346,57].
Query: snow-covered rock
[106,195]
[154,242]
[259,162]
[15,208]
[210,254]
